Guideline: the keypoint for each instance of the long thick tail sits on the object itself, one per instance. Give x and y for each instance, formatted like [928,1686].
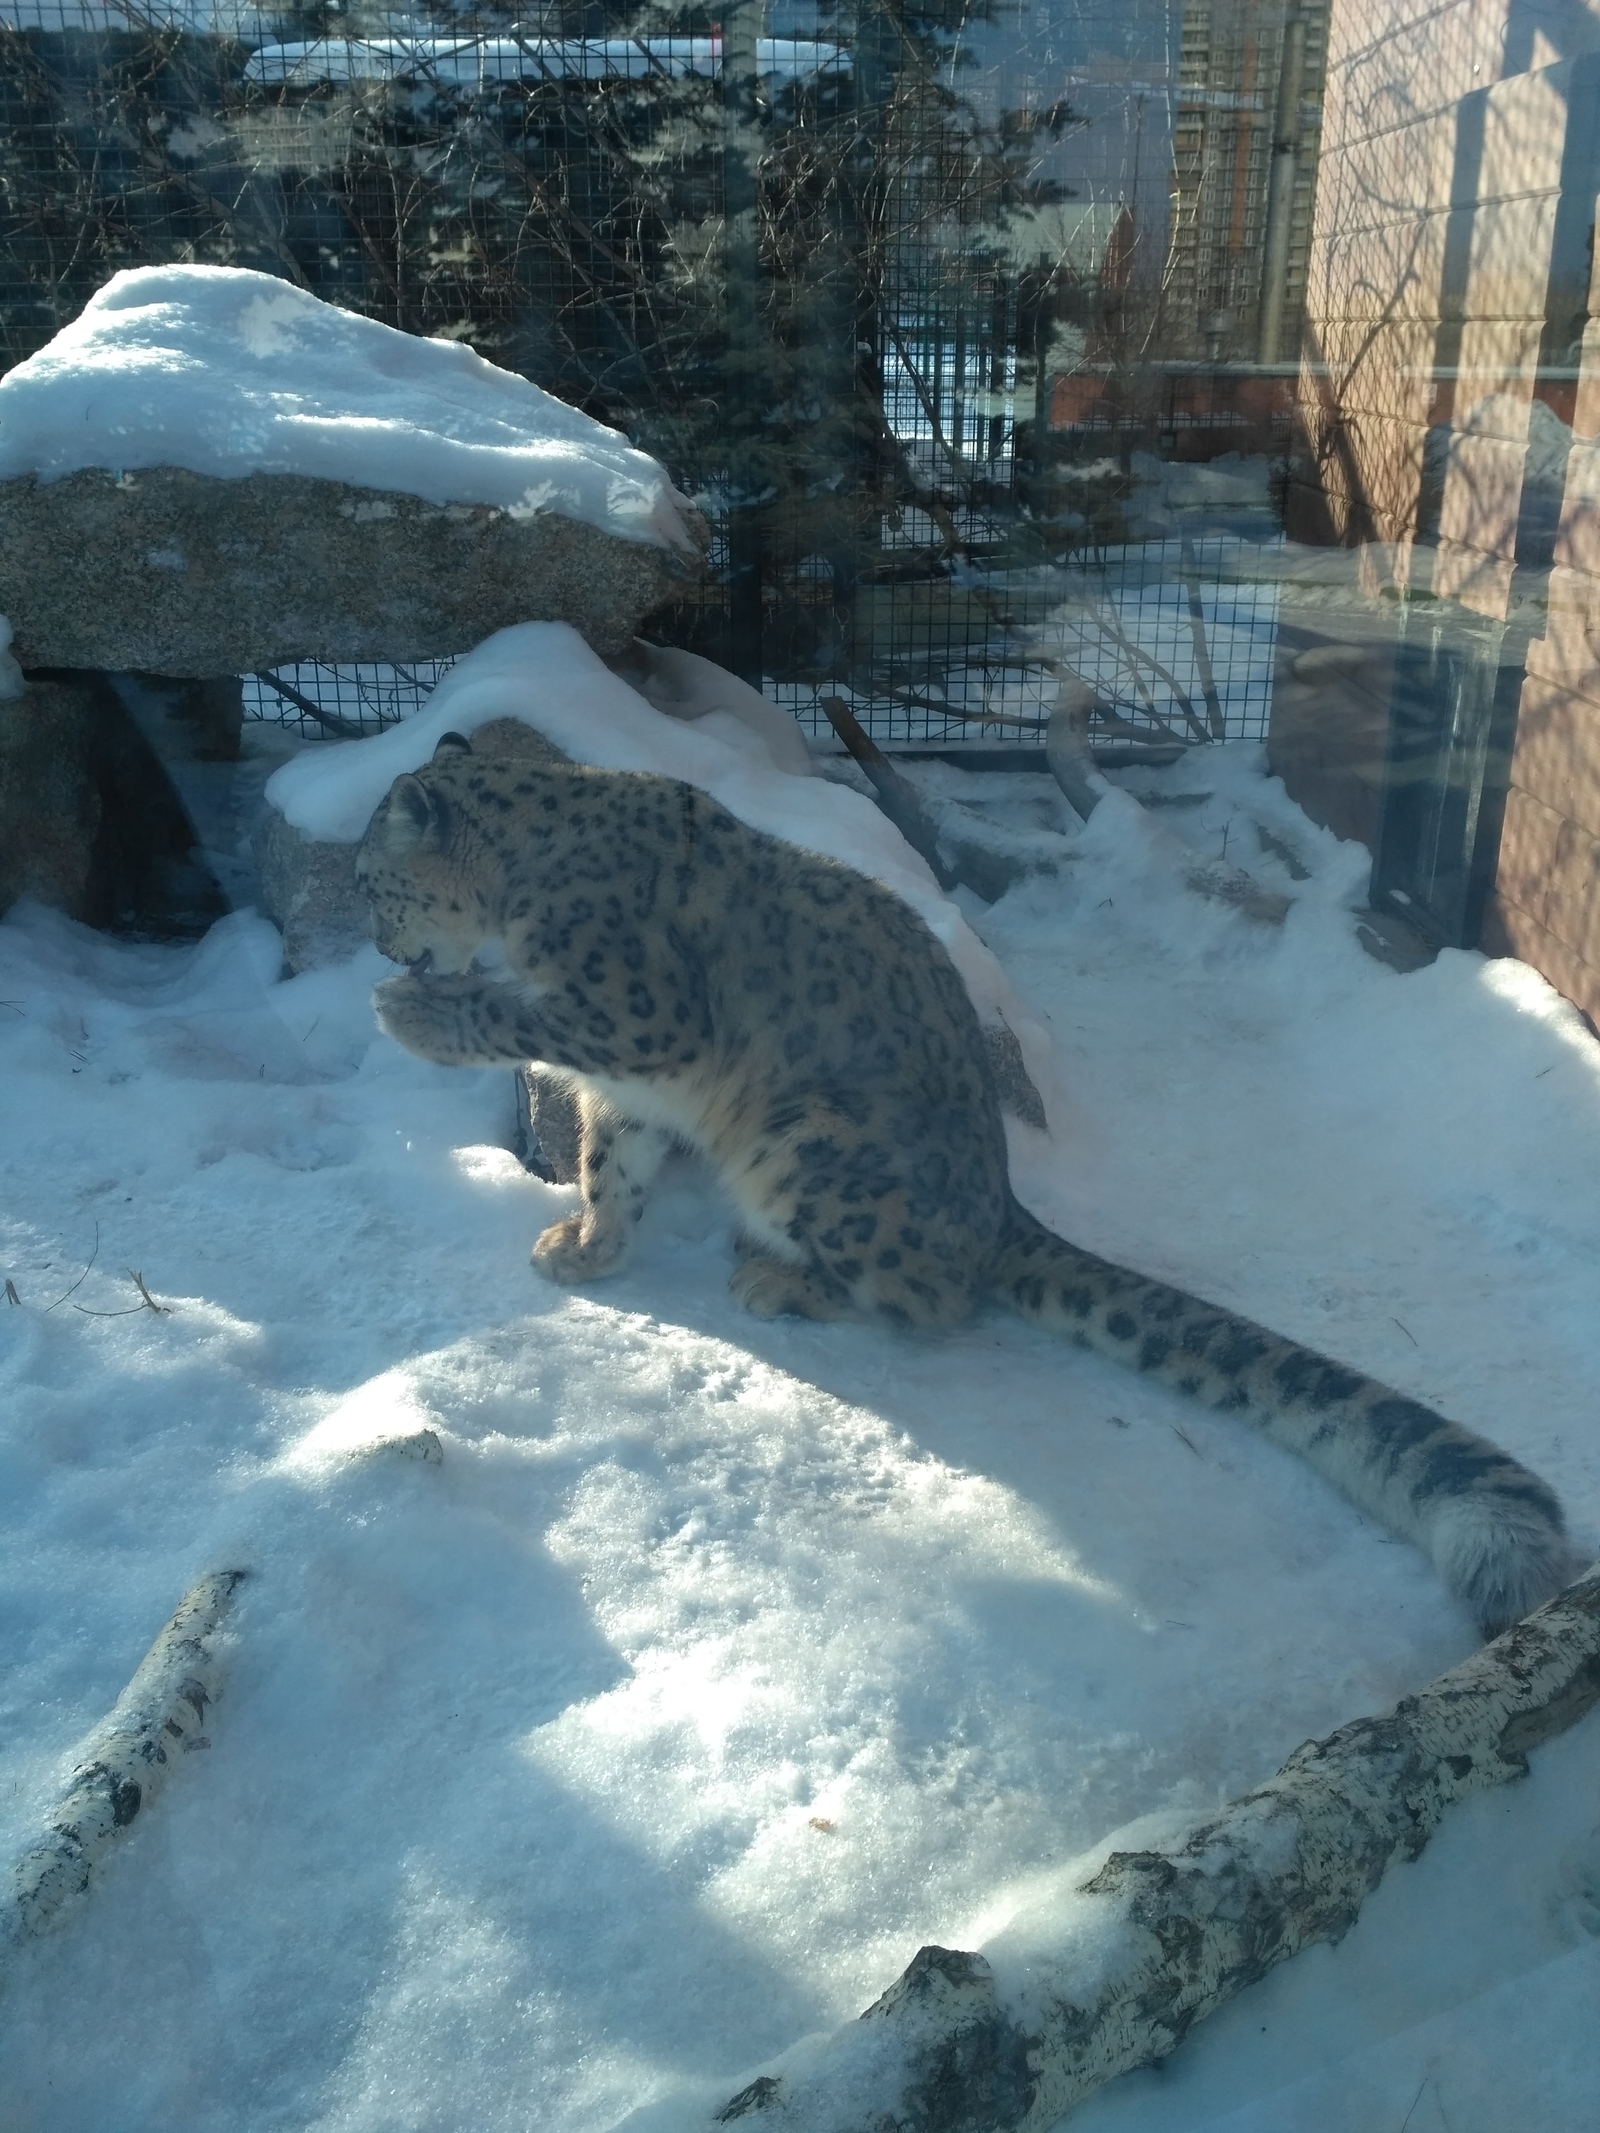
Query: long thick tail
[1494,1531]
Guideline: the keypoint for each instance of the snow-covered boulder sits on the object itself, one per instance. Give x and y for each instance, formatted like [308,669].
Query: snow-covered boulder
[210,471]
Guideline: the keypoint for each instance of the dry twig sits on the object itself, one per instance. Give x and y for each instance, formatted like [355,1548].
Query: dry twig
[147,1303]
[82,1278]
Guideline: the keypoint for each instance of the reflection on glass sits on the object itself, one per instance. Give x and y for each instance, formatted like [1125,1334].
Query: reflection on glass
[1223,361]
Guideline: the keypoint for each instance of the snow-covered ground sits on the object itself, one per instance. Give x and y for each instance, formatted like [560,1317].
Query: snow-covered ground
[721,1664]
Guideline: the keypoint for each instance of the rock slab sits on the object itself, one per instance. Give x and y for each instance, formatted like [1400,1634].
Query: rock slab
[166,572]
[548,1134]
[308,888]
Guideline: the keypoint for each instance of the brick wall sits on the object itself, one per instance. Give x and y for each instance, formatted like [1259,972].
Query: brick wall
[1446,328]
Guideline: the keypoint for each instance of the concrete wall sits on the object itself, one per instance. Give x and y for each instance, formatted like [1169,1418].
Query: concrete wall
[1448,348]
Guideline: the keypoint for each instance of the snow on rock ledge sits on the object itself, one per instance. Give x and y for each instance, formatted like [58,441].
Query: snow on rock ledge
[226,372]
[386,497]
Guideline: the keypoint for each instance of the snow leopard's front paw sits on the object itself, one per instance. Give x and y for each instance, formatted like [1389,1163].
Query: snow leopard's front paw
[423,1013]
[402,1010]
[455,1018]
[567,1255]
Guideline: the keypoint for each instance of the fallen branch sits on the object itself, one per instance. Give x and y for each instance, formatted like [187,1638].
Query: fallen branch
[123,1764]
[972,862]
[1280,849]
[1066,747]
[347,729]
[1068,758]
[161,1310]
[1104,618]
[898,801]
[1202,651]
[1223,884]
[1157,1940]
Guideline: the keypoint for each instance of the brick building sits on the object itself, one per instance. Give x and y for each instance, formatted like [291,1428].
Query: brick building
[1450,402]
[1230,84]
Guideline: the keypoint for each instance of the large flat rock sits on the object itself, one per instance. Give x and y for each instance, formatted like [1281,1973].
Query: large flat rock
[168,572]
[308,889]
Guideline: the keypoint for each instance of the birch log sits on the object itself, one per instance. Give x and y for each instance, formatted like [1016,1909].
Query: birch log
[118,1770]
[1157,1940]
[1066,746]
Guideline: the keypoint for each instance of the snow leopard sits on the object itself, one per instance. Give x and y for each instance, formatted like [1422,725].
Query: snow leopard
[704,985]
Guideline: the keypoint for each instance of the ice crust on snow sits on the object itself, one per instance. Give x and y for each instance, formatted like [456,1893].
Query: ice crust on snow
[227,372]
[544,674]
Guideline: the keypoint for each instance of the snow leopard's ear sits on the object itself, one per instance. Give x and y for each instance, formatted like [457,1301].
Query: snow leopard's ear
[450,744]
[411,819]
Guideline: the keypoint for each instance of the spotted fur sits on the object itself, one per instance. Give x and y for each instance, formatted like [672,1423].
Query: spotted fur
[706,985]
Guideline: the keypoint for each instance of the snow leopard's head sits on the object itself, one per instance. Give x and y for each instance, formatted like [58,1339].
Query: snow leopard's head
[422,870]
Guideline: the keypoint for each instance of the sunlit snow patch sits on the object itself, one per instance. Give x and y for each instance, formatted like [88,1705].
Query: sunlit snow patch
[1523,988]
[495,1168]
[382,1416]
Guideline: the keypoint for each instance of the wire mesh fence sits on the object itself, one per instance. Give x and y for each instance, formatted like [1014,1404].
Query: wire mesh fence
[830,270]
[1175,637]
[326,702]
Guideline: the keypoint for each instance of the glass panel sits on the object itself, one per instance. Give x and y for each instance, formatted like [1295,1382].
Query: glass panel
[1012,350]
[1142,400]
